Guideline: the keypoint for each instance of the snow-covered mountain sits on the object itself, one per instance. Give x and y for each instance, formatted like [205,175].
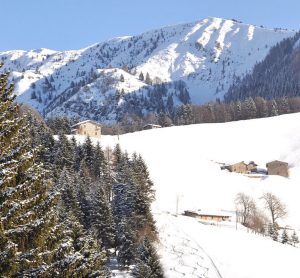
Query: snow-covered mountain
[199,60]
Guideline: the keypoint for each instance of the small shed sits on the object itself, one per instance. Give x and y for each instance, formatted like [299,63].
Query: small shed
[209,215]
[88,128]
[151,126]
[277,167]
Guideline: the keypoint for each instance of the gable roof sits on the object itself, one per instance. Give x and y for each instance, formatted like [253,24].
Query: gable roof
[276,162]
[241,162]
[86,121]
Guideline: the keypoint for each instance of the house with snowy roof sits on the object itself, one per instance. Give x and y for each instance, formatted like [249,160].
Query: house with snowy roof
[209,215]
[151,126]
[88,128]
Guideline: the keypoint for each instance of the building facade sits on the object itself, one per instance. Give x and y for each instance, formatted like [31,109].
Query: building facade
[208,216]
[242,167]
[87,128]
[277,167]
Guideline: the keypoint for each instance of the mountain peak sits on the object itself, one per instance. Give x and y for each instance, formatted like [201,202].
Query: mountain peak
[195,62]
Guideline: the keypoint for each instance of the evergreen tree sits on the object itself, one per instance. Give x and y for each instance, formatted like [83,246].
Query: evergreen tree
[294,239]
[148,264]
[102,219]
[141,76]
[84,183]
[67,186]
[148,79]
[272,231]
[122,78]
[27,216]
[88,152]
[126,243]
[99,162]
[284,237]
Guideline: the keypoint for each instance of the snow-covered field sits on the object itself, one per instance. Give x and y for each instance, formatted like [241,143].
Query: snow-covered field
[190,249]
[183,163]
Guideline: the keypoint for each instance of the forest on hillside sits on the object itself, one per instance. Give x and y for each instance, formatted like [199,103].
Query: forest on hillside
[276,76]
[70,210]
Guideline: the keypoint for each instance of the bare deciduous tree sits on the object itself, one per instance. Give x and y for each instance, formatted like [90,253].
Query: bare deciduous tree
[245,206]
[276,208]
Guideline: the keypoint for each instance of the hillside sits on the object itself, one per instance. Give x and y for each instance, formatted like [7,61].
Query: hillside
[276,76]
[183,163]
[194,62]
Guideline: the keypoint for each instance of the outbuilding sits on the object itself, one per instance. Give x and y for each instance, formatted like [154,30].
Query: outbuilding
[277,167]
[151,126]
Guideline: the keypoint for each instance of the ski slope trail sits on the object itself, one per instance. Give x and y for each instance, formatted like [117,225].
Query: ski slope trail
[186,257]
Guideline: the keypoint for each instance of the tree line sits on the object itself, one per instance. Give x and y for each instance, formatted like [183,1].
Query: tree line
[214,112]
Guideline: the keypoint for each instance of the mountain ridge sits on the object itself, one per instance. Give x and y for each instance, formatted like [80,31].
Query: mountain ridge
[205,56]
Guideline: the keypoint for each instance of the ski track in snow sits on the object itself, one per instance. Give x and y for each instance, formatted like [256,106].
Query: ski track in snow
[203,264]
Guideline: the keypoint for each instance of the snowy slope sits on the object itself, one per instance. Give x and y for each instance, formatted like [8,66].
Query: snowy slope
[206,55]
[183,163]
[191,249]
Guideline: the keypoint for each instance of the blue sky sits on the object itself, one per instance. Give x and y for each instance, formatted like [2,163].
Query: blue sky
[73,24]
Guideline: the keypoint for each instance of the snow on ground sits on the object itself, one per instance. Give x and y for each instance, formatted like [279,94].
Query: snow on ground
[190,249]
[183,163]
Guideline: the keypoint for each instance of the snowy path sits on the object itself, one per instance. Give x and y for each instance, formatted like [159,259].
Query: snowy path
[191,249]
[183,255]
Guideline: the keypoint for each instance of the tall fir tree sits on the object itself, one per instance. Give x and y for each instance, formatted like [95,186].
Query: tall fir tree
[27,215]
[102,218]
[294,239]
[284,237]
[148,264]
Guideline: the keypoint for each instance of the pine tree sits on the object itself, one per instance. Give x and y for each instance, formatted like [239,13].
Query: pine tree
[143,192]
[148,264]
[272,231]
[148,79]
[294,239]
[284,237]
[122,78]
[141,76]
[27,216]
[102,219]
[126,243]
[88,152]
[67,185]
[80,253]
[99,162]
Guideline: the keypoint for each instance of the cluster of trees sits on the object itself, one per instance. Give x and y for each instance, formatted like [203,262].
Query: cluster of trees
[255,219]
[67,208]
[274,77]
[216,112]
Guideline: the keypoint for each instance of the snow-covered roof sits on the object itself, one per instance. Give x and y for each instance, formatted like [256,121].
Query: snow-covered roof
[151,125]
[276,162]
[86,121]
[219,213]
